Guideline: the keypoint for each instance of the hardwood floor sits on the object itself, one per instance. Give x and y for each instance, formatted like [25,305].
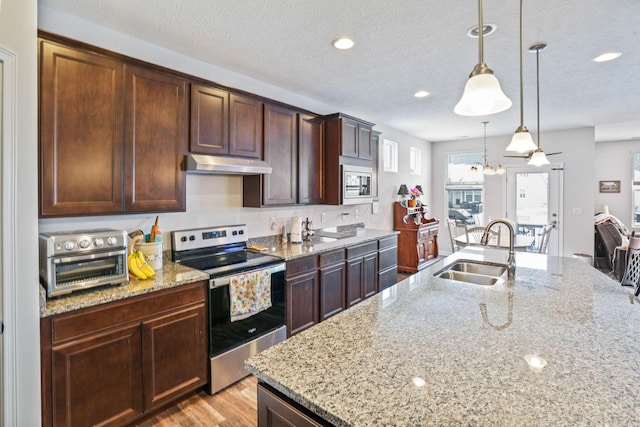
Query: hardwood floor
[235,406]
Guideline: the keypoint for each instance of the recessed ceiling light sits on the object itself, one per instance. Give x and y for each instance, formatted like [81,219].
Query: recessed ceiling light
[488,29]
[607,56]
[421,94]
[342,43]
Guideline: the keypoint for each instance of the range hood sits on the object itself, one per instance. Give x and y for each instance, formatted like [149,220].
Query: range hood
[200,163]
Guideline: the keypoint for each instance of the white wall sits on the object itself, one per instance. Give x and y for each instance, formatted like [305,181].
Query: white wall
[18,35]
[217,200]
[577,147]
[613,163]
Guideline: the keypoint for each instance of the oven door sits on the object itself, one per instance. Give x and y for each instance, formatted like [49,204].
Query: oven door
[225,334]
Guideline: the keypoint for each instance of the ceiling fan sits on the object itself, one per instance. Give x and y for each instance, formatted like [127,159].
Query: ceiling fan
[537,157]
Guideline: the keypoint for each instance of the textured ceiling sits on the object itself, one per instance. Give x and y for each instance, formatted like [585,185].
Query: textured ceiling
[406,45]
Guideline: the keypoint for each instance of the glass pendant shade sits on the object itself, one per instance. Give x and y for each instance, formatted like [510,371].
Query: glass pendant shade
[500,170]
[538,159]
[522,142]
[488,170]
[482,96]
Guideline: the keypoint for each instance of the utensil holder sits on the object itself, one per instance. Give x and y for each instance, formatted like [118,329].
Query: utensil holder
[152,253]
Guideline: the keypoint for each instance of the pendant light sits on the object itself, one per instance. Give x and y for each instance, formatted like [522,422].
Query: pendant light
[538,158]
[521,141]
[482,93]
[487,169]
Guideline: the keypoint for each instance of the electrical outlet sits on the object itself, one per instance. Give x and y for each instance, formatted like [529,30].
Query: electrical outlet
[323,217]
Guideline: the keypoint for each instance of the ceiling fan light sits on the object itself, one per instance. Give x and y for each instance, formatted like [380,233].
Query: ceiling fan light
[500,170]
[522,141]
[488,170]
[538,159]
[482,96]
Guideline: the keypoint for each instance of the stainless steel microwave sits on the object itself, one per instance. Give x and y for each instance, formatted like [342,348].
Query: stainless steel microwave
[356,185]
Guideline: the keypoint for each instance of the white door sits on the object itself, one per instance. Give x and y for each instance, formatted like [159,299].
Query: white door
[534,199]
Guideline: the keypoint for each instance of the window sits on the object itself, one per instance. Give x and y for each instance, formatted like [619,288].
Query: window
[415,161]
[464,188]
[635,184]
[390,156]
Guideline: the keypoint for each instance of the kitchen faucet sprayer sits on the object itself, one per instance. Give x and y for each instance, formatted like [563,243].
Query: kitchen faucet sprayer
[511,265]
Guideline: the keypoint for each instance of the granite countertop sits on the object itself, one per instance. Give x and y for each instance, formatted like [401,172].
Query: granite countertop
[170,276]
[431,351]
[173,274]
[320,244]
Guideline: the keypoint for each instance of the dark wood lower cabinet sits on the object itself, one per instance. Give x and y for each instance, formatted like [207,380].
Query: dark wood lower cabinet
[275,410]
[362,272]
[114,363]
[332,283]
[302,294]
[321,286]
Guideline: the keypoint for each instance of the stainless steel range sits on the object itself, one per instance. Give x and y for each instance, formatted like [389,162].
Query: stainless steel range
[222,252]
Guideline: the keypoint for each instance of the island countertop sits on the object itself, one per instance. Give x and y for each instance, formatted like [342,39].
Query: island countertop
[432,351]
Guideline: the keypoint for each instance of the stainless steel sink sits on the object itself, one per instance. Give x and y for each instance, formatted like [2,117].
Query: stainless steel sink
[476,272]
[485,268]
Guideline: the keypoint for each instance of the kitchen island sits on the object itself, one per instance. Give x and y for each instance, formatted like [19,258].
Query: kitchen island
[557,345]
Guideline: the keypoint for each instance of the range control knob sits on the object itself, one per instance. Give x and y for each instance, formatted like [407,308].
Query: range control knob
[69,245]
[98,242]
[84,243]
[183,239]
[112,240]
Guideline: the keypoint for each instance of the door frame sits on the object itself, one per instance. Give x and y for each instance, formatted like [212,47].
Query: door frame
[8,240]
[556,174]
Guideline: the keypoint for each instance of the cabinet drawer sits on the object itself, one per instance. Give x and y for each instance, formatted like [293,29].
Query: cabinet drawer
[425,233]
[331,257]
[361,249]
[72,325]
[387,257]
[386,242]
[387,278]
[302,265]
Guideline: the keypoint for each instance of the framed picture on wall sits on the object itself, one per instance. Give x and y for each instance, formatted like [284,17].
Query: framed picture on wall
[609,186]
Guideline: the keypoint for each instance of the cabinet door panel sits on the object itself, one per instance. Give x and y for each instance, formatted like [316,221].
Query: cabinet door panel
[355,291]
[370,275]
[332,290]
[174,355]
[245,126]
[281,151]
[311,164]
[98,379]
[209,120]
[364,142]
[81,150]
[155,140]
[302,302]
[349,138]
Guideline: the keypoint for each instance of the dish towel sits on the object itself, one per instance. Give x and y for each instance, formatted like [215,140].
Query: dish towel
[249,294]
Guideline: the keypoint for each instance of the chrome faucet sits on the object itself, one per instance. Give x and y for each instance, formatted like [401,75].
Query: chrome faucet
[511,265]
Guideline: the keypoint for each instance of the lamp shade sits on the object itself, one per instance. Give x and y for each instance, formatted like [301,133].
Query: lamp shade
[482,96]
[419,187]
[522,141]
[403,190]
[538,159]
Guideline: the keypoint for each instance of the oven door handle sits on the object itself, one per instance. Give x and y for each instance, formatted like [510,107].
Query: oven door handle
[224,281]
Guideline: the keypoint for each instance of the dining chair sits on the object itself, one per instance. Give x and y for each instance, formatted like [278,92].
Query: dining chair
[474,235]
[632,269]
[544,239]
[455,230]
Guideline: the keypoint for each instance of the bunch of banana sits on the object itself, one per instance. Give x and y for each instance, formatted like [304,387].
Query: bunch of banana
[138,266]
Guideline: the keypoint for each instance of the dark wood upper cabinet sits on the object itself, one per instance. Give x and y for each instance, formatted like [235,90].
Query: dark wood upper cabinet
[350,136]
[209,120]
[245,126]
[280,187]
[311,160]
[155,140]
[113,135]
[81,132]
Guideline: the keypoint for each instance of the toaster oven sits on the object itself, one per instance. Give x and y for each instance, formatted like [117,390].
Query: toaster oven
[76,260]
